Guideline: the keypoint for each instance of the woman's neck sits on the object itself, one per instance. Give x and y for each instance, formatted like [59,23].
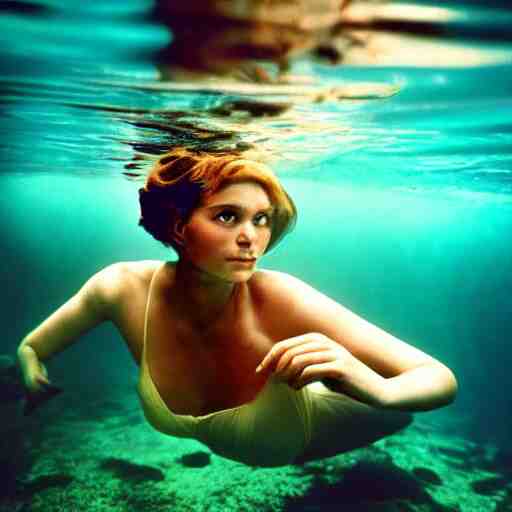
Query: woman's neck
[204,298]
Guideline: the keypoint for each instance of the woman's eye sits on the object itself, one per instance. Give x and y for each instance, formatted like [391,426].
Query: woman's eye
[225,215]
[264,217]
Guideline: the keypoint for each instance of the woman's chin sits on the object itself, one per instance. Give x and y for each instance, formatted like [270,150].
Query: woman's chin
[232,275]
[241,276]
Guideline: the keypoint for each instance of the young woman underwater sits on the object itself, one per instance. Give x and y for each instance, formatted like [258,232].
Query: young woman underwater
[256,364]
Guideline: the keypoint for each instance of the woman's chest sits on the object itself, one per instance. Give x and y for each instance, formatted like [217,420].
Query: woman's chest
[197,372]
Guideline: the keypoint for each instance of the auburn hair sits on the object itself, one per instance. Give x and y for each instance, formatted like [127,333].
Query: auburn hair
[182,180]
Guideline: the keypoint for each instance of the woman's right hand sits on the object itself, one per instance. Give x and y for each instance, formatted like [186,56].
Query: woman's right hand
[33,371]
[35,380]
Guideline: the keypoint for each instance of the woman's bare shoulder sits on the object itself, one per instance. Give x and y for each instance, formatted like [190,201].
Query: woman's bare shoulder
[140,268]
[287,293]
[283,302]
[270,277]
[121,277]
[277,285]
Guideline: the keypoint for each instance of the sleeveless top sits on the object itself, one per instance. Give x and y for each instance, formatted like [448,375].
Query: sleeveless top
[273,429]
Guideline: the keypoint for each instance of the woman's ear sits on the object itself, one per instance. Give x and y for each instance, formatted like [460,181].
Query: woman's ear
[178,232]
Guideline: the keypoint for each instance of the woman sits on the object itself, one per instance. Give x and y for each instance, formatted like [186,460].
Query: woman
[233,356]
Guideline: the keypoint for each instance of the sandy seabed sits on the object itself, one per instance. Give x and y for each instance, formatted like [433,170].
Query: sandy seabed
[108,459]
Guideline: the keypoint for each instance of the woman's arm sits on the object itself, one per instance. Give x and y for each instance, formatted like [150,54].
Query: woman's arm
[367,362]
[423,388]
[90,306]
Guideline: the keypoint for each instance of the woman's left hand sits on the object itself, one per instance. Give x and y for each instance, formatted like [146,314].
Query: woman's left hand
[310,357]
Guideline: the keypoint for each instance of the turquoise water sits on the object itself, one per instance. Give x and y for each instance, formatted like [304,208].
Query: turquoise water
[405,202]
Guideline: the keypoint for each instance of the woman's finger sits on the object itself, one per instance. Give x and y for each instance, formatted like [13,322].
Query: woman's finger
[300,362]
[279,348]
[275,352]
[313,373]
[42,380]
[293,352]
[42,369]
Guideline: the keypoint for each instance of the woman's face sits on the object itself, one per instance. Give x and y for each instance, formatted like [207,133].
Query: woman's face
[232,224]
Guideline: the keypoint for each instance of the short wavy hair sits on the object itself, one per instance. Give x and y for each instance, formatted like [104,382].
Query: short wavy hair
[182,180]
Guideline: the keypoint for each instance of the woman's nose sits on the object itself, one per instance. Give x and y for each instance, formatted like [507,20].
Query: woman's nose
[247,233]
